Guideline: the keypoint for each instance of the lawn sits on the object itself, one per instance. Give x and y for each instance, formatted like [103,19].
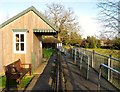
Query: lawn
[25,81]
[114,53]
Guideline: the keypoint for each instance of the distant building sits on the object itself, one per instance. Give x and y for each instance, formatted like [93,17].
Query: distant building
[106,43]
[51,42]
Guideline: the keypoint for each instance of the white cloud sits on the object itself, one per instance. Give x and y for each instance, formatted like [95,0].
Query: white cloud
[89,26]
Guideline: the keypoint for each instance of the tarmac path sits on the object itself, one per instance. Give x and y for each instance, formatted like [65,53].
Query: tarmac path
[42,81]
[74,78]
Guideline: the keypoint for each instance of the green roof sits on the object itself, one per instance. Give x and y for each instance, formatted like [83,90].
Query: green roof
[26,11]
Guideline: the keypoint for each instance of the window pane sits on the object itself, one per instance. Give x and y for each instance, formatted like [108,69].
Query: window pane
[17,37]
[22,37]
[22,46]
[17,46]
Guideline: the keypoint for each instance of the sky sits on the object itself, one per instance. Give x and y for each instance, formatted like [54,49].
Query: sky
[85,10]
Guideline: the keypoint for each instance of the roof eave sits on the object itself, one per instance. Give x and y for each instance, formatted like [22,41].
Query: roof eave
[32,8]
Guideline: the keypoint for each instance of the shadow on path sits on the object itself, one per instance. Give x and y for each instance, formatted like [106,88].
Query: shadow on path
[44,80]
[75,79]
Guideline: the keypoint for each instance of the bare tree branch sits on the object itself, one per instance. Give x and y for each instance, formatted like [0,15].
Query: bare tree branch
[109,15]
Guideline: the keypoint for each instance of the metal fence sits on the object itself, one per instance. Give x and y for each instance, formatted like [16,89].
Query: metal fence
[100,72]
[93,59]
[82,60]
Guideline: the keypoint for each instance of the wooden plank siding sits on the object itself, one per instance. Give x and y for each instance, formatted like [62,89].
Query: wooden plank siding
[37,52]
[1,68]
[33,53]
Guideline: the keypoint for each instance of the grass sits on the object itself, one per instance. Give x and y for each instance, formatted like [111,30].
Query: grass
[114,53]
[2,82]
[24,82]
[47,52]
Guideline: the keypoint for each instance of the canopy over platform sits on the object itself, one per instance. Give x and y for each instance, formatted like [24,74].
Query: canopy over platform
[45,31]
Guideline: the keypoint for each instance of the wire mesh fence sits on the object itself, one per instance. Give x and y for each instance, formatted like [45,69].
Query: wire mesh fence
[85,58]
[82,60]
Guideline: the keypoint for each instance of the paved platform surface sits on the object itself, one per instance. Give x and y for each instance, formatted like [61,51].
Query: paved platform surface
[74,78]
[42,79]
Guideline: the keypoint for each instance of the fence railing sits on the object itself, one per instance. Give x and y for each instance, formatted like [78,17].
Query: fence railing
[95,60]
[82,60]
[100,73]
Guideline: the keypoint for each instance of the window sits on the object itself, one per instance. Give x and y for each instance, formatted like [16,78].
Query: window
[19,42]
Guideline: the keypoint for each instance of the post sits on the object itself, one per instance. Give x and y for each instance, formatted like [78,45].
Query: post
[93,58]
[75,56]
[99,77]
[40,39]
[111,78]
[81,61]
[72,53]
[88,67]
[79,56]
[109,64]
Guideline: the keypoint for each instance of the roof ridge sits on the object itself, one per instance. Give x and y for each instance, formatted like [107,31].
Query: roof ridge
[32,8]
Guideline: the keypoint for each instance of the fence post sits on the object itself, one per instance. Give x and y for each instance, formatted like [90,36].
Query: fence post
[80,58]
[75,56]
[81,61]
[99,78]
[93,58]
[72,53]
[111,78]
[109,64]
[88,67]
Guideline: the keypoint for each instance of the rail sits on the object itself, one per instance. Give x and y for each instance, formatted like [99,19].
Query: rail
[97,59]
[100,72]
[80,58]
[85,58]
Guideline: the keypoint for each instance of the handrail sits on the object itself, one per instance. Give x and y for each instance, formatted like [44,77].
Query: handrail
[81,57]
[100,72]
[107,56]
[101,55]
[88,67]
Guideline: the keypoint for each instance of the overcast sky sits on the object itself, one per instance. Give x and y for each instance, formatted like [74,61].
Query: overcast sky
[85,10]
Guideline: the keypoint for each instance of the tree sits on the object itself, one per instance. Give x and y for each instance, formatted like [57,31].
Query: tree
[110,16]
[91,42]
[116,44]
[62,18]
[75,39]
[65,36]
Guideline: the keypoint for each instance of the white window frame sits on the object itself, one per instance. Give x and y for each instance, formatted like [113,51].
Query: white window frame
[14,39]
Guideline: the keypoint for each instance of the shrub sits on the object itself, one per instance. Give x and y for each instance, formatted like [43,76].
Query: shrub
[47,52]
